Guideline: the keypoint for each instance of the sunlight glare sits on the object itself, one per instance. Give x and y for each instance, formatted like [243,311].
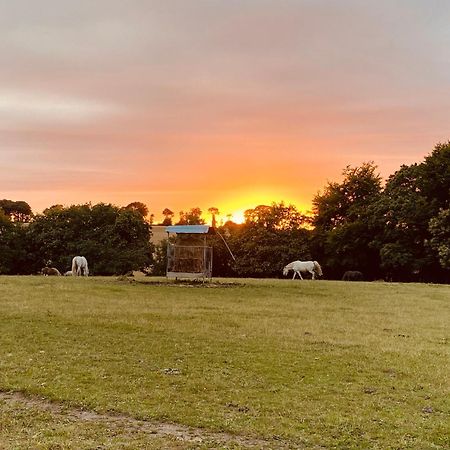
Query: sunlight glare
[238,216]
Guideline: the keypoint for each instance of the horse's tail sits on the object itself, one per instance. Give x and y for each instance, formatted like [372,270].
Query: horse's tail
[317,268]
[74,266]
[86,268]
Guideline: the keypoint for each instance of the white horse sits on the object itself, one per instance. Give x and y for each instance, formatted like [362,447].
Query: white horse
[80,266]
[313,267]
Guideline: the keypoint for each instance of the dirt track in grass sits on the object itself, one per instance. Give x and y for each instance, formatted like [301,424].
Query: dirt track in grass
[150,428]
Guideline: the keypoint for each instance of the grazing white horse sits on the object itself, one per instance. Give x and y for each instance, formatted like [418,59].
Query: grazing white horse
[80,266]
[313,267]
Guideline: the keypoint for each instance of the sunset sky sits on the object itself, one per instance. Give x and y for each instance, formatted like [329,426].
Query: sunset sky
[226,103]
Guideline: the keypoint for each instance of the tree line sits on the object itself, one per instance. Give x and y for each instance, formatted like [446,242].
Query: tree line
[398,230]
[114,240]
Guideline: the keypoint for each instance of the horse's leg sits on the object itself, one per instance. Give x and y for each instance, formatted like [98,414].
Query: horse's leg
[300,275]
[313,275]
[294,274]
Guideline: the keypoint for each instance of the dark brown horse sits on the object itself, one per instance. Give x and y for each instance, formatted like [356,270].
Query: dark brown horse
[353,275]
[50,271]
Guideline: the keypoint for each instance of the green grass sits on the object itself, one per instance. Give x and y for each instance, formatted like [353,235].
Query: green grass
[307,364]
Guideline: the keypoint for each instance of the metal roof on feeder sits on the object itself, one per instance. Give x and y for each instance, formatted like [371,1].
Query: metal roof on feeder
[190,229]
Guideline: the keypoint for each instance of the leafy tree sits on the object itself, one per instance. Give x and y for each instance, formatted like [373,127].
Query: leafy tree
[213,211]
[225,237]
[5,220]
[139,207]
[6,232]
[435,179]
[402,218]
[159,266]
[114,240]
[440,236]
[191,217]
[12,252]
[278,216]
[168,215]
[18,211]
[271,237]
[53,208]
[342,234]
[398,219]
[345,202]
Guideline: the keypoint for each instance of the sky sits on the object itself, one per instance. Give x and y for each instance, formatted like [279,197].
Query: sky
[225,103]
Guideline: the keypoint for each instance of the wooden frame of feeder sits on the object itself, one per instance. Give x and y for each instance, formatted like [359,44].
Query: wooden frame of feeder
[190,256]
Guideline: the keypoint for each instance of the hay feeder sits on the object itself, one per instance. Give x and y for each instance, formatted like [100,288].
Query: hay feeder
[188,255]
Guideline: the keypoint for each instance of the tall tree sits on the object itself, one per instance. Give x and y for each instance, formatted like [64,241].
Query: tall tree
[440,236]
[140,207]
[168,215]
[342,235]
[191,217]
[213,211]
[18,211]
[12,246]
[271,237]
[403,217]
[6,233]
[398,218]
[278,216]
[114,240]
[435,182]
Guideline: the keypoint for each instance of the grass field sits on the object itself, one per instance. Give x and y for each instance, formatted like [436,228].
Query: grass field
[103,363]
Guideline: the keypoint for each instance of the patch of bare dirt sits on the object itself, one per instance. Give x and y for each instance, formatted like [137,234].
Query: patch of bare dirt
[192,283]
[153,429]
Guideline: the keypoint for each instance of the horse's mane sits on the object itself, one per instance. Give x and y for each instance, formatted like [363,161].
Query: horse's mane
[318,268]
[291,264]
